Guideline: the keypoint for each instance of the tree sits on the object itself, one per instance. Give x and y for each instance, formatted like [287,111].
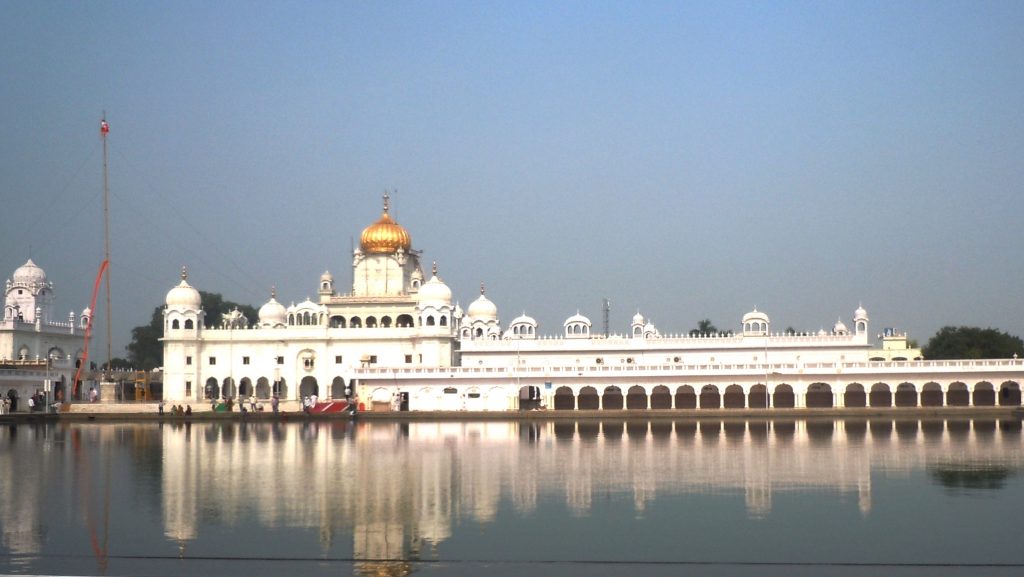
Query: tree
[704,327]
[146,352]
[972,343]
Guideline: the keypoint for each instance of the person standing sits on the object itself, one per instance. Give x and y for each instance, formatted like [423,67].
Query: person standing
[273,403]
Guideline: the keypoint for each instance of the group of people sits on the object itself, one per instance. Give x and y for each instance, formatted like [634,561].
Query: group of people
[177,410]
[309,403]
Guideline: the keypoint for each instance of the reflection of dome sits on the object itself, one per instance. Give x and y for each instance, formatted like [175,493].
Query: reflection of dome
[29,273]
[384,236]
[184,295]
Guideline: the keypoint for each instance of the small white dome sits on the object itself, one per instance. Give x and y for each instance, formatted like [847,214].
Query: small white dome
[434,291]
[860,314]
[523,319]
[183,295]
[29,273]
[87,312]
[839,328]
[272,312]
[482,308]
[327,277]
[638,319]
[755,315]
[577,318]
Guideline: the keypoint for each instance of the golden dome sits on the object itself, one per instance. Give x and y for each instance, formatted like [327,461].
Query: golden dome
[384,236]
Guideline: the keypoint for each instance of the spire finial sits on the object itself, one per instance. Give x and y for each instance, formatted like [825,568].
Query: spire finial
[386,198]
[482,288]
[273,291]
[434,268]
[184,273]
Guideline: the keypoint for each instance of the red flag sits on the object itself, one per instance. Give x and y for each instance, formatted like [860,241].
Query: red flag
[104,127]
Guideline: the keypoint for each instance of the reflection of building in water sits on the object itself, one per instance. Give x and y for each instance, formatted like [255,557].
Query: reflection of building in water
[21,532]
[400,489]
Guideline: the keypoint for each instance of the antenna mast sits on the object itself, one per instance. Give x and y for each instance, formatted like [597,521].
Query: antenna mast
[104,130]
[606,308]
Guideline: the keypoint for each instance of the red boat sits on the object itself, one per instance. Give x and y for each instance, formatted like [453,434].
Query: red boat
[327,407]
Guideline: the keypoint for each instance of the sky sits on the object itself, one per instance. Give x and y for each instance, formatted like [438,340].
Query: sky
[686,160]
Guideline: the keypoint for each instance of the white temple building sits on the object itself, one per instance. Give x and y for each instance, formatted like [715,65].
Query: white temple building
[38,351]
[396,341]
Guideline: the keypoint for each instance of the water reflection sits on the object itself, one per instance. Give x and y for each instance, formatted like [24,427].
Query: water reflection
[388,493]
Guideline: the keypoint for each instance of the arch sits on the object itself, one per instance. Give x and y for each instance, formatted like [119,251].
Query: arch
[308,386]
[385,322]
[661,398]
[984,394]
[686,398]
[443,321]
[819,396]
[371,322]
[611,399]
[636,398]
[337,322]
[906,395]
[280,388]
[529,397]
[245,388]
[880,395]
[175,325]
[338,388]
[355,323]
[425,400]
[564,399]
[479,332]
[734,397]
[854,396]
[430,320]
[189,325]
[1009,394]
[211,390]
[931,395]
[783,397]
[228,390]
[957,395]
[758,397]
[404,321]
[588,399]
[709,397]
[262,388]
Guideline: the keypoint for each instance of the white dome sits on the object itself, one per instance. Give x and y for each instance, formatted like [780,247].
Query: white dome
[839,327]
[29,273]
[577,318]
[638,319]
[523,319]
[434,291]
[272,312]
[327,277]
[183,295]
[860,314]
[755,315]
[482,308]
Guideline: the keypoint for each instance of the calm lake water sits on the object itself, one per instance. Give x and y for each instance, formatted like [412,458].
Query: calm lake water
[708,497]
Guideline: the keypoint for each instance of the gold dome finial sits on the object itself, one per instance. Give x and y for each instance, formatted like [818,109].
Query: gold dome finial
[386,197]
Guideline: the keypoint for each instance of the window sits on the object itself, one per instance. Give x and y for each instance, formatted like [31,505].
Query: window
[337,359]
[175,324]
[188,360]
[245,360]
[213,360]
[308,362]
[188,324]
[280,360]
[373,359]
[408,359]
[188,389]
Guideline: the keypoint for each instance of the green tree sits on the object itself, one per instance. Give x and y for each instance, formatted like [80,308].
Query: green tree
[146,352]
[972,343]
[704,327]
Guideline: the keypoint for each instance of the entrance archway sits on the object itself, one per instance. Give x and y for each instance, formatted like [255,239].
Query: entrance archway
[686,398]
[1009,394]
[906,395]
[734,397]
[564,399]
[611,400]
[709,398]
[636,398]
[758,397]
[957,395]
[984,394]
[262,388]
[819,396]
[308,386]
[588,399]
[661,398]
[931,395]
[855,396]
[783,397]
[880,396]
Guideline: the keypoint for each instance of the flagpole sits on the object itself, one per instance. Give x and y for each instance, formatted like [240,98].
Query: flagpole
[104,130]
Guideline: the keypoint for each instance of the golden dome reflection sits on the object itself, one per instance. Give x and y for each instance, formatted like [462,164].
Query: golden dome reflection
[384,236]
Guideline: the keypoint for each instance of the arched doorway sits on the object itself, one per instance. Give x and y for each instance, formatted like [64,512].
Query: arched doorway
[588,399]
[734,397]
[245,388]
[529,397]
[280,388]
[819,396]
[984,394]
[636,398]
[611,400]
[262,388]
[338,388]
[931,395]
[661,398]
[880,395]
[854,396]
[957,395]
[211,390]
[709,397]
[758,397]
[906,395]
[228,390]
[1009,394]
[783,397]
[564,399]
[308,386]
[686,398]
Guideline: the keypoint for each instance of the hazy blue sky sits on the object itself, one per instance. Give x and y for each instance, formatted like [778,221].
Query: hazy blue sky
[687,160]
